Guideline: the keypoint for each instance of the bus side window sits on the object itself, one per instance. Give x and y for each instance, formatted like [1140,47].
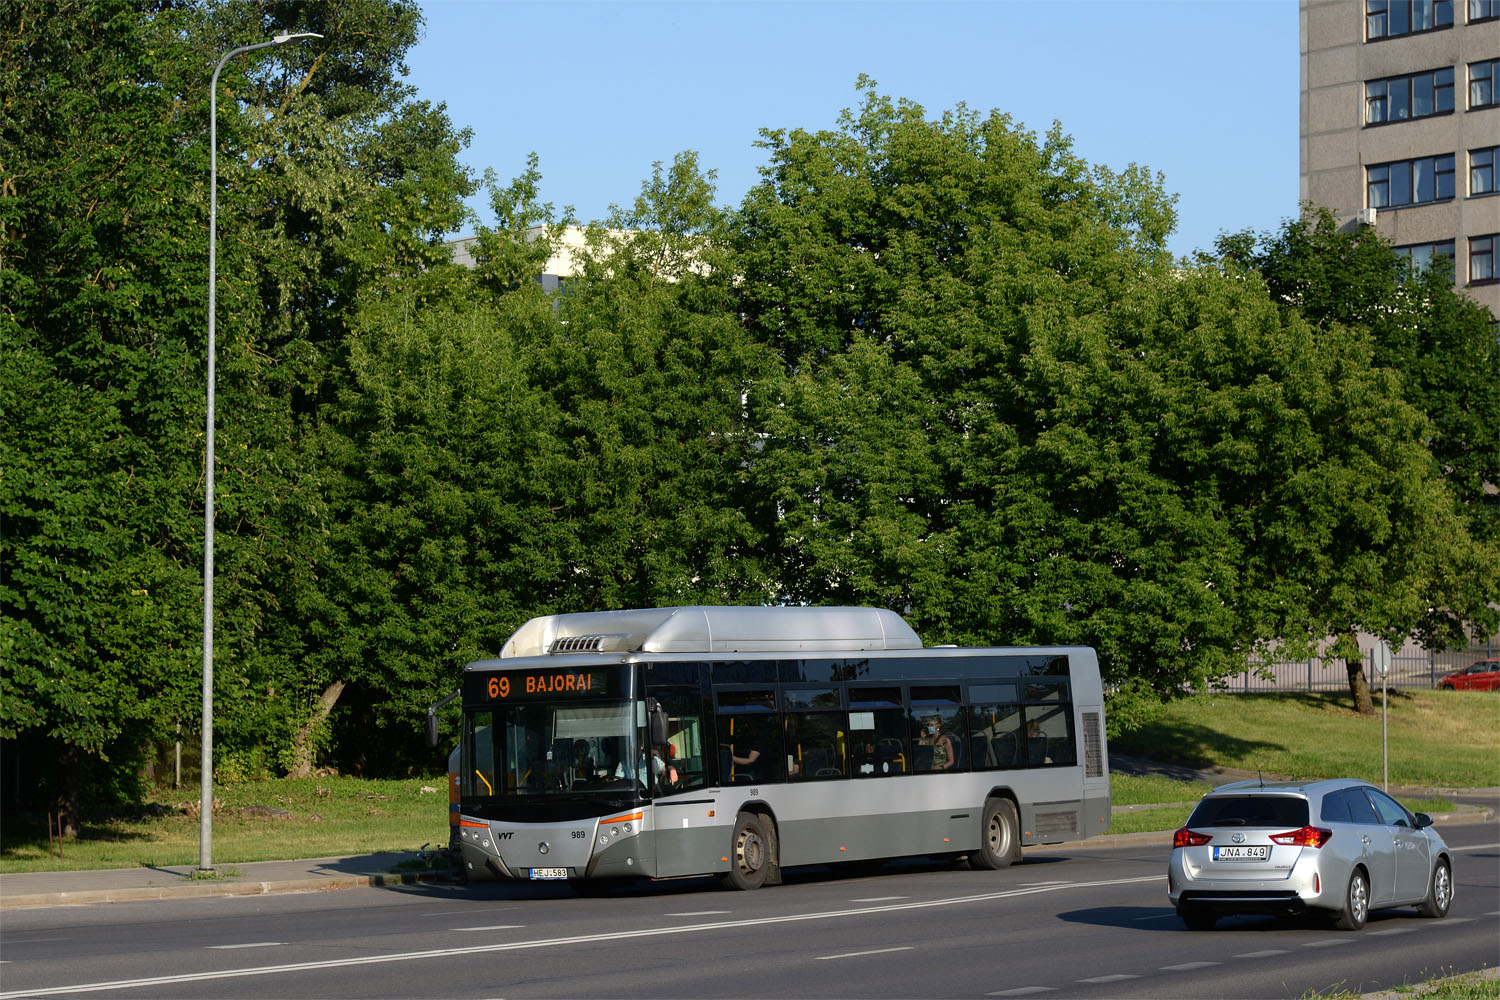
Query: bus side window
[994,728]
[747,722]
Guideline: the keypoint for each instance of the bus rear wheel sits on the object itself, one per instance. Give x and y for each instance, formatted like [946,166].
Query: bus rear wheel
[749,854]
[999,840]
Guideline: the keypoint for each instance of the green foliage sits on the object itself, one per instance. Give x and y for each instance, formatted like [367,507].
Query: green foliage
[1443,357]
[999,410]
[941,365]
[100,270]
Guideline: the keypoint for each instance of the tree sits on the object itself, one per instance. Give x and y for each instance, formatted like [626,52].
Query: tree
[333,180]
[1000,410]
[646,373]
[1443,358]
[101,271]
[338,186]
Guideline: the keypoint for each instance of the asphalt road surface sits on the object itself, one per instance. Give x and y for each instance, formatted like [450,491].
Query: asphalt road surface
[1088,922]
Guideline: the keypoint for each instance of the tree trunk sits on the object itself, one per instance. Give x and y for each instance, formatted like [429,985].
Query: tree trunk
[70,801]
[302,743]
[1359,686]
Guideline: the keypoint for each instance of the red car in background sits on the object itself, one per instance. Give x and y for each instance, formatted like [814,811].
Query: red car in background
[1481,676]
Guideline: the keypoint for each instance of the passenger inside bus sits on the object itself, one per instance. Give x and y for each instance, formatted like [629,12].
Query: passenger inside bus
[753,751]
[943,754]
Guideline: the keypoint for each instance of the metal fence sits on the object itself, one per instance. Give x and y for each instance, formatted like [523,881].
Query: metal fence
[1411,667]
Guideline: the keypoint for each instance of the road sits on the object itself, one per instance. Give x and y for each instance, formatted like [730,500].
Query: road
[1091,922]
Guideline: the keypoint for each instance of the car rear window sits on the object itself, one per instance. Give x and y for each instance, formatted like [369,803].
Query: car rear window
[1250,810]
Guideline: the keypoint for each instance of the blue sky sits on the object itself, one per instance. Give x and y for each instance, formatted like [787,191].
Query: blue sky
[1204,91]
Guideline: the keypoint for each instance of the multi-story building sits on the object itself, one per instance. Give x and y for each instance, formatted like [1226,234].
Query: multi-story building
[1400,127]
[559,267]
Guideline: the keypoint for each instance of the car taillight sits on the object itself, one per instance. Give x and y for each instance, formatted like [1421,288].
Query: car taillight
[1308,836]
[1189,838]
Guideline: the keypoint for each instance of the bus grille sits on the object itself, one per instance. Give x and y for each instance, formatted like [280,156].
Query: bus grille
[1053,823]
[578,644]
[1093,746]
[602,642]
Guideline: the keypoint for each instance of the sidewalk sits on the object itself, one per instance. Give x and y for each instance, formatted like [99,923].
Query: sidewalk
[119,885]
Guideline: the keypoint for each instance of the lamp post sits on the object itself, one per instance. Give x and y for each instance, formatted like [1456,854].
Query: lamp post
[206,801]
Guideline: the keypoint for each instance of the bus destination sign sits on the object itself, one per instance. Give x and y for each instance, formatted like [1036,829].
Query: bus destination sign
[530,685]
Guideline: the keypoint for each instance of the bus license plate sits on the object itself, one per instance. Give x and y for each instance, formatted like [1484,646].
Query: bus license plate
[549,873]
[1258,853]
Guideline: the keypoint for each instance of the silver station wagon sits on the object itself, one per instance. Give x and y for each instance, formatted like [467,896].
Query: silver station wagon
[1342,847]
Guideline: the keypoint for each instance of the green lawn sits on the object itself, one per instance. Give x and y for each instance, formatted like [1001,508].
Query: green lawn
[1437,738]
[1444,739]
[253,821]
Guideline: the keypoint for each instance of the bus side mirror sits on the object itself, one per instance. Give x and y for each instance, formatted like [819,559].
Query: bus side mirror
[657,722]
[432,730]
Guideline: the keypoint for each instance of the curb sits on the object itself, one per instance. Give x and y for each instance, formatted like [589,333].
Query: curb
[204,889]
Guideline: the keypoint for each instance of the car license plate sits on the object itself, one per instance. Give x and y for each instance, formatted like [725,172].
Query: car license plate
[549,873]
[1258,853]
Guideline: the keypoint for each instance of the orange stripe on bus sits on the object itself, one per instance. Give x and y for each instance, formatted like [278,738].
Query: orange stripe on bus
[470,822]
[623,819]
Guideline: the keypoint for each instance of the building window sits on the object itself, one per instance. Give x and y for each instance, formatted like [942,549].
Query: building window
[1389,18]
[1482,259]
[1410,182]
[1482,163]
[1419,256]
[1401,97]
[1482,82]
[1483,10]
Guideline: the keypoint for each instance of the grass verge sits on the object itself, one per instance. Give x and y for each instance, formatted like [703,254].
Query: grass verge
[1437,738]
[253,821]
[1445,739]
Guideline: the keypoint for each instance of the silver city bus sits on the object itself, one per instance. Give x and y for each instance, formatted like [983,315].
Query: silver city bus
[736,741]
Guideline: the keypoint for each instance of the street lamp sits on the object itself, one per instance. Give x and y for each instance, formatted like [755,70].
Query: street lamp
[206,801]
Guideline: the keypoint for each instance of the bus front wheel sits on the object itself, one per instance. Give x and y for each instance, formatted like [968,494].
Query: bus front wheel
[1000,840]
[749,854]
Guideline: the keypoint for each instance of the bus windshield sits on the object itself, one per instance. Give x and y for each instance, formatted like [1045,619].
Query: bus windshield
[542,749]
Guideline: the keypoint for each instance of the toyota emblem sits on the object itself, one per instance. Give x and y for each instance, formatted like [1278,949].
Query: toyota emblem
[1238,838]
[542,848]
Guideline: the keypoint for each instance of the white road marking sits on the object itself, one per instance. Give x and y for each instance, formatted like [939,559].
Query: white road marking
[1476,847]
[1392,930]
[247,944]
[1117,977]
[700,913]
[878,899]
[458,906]
[491,927]
[563,942]
[1326,942]
[1188,966]
[858,954]
[1023,991]
[1263,954]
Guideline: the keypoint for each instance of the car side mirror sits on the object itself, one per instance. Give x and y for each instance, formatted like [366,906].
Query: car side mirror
[1423,821]
[432,730]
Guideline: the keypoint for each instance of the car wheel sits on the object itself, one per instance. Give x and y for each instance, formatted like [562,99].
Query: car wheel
[1197,920]
[749,854]
[999,836]
[1439,891]
[1356,908]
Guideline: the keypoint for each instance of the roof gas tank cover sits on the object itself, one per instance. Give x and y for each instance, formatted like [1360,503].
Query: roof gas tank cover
[713,629]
